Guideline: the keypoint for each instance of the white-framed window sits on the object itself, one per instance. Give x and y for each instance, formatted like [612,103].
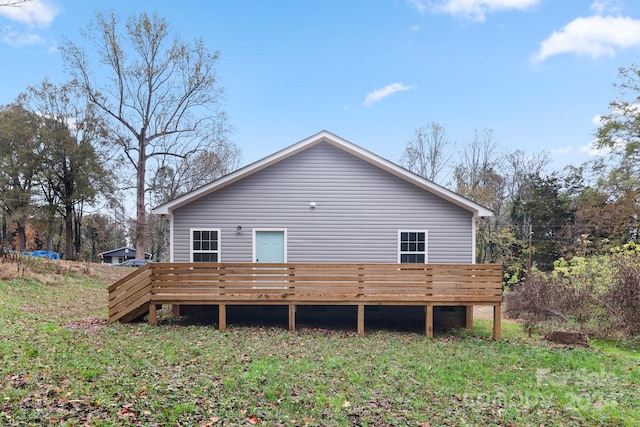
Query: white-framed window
[412,246]
[205,245]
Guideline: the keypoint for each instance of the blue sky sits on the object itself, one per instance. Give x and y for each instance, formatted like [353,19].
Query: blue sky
[536,72]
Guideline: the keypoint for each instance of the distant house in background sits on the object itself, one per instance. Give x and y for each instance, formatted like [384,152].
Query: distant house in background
[117,256]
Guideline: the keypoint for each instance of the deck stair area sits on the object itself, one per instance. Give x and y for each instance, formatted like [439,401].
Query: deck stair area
[129,297]
[292,284]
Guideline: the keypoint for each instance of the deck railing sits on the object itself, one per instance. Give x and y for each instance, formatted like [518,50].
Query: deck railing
[294,284]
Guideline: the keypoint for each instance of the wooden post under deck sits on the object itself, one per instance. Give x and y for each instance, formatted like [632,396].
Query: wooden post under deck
[175,309]
[497,318]
[292,317]
[428,321]
[361,319]
[469,317]
[222,317]
[153,315]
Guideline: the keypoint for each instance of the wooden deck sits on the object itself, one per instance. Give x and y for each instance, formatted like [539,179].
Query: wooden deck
[293,284]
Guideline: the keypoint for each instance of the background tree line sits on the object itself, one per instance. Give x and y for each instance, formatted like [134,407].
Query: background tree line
[141,114]
[594,285]
[541,216]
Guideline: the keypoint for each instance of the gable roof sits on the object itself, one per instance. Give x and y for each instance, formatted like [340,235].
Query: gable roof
[342,144]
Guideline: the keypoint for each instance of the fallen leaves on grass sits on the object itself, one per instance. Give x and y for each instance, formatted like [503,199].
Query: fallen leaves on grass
[61,370]
[91,325]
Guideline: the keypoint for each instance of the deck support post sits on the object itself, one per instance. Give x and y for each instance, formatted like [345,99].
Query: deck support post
[222,317]
[361,319]
[153,314]
[292,317]
[175,309]
[497,319]
[469,317]
[428,321]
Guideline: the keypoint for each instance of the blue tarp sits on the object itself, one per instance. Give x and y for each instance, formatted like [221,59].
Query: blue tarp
[44,254]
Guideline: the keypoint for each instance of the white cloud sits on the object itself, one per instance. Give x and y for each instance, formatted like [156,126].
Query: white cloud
[562,150]
[477,10]
[380,94]
[594,36]
[37,13]
[597,120]
[628,110]
[16,39]
[418,4]
[600,7]
[25,18]
[592,150]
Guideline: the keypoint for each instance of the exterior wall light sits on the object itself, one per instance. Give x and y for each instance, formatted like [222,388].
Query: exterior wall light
[312,205]
[239,229]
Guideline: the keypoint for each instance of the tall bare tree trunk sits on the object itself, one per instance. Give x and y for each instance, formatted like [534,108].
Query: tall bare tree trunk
[140,190]
[21,232]
[68,232]
[162,94]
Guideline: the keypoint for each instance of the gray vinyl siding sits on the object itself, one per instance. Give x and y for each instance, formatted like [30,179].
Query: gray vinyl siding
[359,210]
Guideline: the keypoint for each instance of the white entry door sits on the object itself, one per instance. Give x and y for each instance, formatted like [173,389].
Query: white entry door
[269,246]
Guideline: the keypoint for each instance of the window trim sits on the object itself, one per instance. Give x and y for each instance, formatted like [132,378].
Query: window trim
[218,251]
[426,244]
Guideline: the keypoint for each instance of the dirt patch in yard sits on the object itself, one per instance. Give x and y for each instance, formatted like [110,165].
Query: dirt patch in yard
[484,312]
[568,338]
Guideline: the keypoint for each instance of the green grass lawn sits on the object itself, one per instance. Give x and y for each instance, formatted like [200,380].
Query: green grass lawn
[62,365]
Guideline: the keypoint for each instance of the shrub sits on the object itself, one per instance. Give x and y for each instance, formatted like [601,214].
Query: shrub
[623,301]
[535,301]
[599,295]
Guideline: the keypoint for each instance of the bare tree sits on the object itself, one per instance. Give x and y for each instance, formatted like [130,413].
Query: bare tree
[519,166]
[478,177]
[428,153]
[176,176]
[161,94]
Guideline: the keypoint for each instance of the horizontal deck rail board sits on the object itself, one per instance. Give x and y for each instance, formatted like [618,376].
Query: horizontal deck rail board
[134,275]
[358,294]
[249,299]
[326,281]
[306,284]
[142,284]
[124,310]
